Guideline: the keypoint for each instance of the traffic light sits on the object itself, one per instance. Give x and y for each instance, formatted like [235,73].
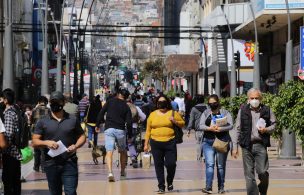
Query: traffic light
[237,59]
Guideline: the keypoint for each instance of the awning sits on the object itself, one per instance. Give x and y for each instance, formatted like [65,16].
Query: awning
[183,62]
[267,21]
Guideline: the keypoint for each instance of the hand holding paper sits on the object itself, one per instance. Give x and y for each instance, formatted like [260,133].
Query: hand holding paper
[55,152]
[261,125]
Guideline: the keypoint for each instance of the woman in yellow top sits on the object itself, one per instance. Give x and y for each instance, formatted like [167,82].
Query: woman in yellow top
[160,133]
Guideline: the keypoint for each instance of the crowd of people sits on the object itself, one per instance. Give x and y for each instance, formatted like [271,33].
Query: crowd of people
[56,122]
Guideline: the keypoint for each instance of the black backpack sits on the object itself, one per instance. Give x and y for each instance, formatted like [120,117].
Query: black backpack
[23,132]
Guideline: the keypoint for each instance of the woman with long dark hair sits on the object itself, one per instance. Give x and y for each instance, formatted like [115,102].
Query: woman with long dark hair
[92,113]
[212,131]
[161,135]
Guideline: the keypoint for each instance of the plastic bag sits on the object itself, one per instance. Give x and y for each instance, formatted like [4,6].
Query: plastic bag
[27,155]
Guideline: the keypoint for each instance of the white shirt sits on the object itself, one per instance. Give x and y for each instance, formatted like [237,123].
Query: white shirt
[141,115]
[181,104]
[2,128]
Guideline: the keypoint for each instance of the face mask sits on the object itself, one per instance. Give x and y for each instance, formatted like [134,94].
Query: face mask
[214,105]
[55,107]
[254,103]
[2,105]
[162,105]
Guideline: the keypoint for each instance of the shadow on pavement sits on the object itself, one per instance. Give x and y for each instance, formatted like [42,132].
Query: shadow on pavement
[35,192]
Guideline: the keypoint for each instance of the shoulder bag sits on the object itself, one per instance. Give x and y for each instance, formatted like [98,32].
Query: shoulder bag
[178,132]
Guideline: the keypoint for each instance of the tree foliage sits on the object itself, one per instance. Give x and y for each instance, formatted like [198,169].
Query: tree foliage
[155,69]
[287,105]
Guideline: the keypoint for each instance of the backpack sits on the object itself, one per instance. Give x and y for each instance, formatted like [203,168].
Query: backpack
[134,112]
[23,133]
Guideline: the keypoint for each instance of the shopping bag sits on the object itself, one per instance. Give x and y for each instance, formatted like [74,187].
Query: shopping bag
[146,160]
[27,155]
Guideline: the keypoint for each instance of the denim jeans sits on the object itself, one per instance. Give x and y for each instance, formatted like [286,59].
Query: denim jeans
[63,173]
[92,134]
[210,156]
[256,157]
[115,135]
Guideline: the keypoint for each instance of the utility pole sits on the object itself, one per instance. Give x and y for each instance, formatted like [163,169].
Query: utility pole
[256,69]
[8,66]
[45,68]
[289,139]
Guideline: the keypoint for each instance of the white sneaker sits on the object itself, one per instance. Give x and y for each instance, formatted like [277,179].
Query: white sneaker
[111,177]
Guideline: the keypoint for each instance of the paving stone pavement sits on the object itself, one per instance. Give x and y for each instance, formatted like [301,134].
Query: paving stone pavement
[286,176]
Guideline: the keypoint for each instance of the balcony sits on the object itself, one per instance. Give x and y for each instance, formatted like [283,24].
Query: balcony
[237,13]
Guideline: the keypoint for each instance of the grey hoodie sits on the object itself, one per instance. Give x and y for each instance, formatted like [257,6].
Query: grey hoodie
[195,116]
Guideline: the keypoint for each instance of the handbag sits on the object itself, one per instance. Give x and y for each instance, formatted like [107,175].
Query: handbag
[178,132]
[220,146]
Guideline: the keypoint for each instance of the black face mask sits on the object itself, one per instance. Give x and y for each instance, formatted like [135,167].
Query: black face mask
[162,105]
[214,105]
[2,106]
[55,107]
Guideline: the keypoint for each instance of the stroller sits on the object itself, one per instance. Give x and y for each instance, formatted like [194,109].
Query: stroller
[139,146]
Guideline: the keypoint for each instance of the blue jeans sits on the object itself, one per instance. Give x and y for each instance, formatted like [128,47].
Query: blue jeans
[91,133]
[210,156]
[63,173]
[115,135]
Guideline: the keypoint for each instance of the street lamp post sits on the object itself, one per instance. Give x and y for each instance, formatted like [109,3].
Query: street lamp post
[206,90]
[8,67]
[67,71]
[58,70]
[45,74]
[288,137]
[256,69]
[233,73]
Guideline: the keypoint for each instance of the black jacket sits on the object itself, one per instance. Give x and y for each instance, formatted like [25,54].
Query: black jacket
[246,126]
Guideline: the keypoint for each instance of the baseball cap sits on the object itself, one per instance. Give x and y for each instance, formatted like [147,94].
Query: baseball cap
[56,95]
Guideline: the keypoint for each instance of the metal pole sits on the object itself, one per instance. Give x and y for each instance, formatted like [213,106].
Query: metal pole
[288,64]
[58,71]
[217,76]
[288,137]
[67,71]
[206,90]
[256,69]
[8,66]
[233,72]
[45,71]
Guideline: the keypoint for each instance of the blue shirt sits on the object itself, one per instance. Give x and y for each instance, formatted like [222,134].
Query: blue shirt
[174,105]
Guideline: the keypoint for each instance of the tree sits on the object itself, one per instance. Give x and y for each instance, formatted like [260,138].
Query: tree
[155,69]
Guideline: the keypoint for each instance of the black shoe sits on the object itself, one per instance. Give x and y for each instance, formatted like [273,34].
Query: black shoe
[90,146]
[161,191]
[221,191]
[207,190]
[36,169]
[134,164]
[170,188]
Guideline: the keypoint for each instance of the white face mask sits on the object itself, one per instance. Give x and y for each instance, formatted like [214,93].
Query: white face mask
[254,103]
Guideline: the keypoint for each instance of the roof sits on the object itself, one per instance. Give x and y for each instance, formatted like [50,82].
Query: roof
[183,62]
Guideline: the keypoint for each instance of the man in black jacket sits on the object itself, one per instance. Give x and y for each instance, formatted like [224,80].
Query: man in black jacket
[254,124]
[118,117]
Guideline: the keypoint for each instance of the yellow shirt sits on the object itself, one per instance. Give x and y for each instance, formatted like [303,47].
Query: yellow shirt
[159,126]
